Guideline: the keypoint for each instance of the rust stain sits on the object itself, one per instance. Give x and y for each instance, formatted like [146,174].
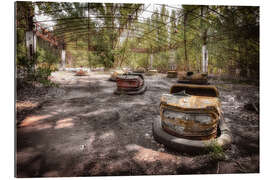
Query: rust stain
[190,102]
[45,35]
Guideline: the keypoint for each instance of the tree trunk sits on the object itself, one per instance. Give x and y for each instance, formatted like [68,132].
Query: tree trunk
[185,43]
[88,35]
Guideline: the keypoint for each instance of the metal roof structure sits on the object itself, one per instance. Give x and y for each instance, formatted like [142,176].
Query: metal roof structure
[66,34]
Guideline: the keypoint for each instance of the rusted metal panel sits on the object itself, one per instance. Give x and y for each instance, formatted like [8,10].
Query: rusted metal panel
[190,116]
[45,35]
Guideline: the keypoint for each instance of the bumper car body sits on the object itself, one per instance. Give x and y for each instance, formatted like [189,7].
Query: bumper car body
[191,118]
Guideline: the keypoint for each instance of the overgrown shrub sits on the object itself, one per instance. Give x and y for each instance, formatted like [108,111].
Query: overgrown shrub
[216,152]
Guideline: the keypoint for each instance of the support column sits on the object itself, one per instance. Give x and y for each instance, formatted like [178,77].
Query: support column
[151,61]
[30,38]
[31,41]
[204,43]
[63,59]
[172,60]
[204,59]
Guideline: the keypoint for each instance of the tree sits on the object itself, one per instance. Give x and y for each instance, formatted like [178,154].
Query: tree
[108,33]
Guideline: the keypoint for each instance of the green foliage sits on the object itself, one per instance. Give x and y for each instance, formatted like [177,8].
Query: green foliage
[142,61]
[108,37]
[101,41]
[47,56]
[42,73]
[216,152]
[161,61]
[21,59]
[47,59]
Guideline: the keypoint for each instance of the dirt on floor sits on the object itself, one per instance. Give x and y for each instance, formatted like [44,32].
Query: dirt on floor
[82,129]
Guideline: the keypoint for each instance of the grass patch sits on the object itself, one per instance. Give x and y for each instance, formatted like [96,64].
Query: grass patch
[216,152]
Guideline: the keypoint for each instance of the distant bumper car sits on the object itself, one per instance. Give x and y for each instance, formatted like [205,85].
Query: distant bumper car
[191,119]
[192,78]
[81,73]
[130,83]
[171,74]
[151,72]
[139,70]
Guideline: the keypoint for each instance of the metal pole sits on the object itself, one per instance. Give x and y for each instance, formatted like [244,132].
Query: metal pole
[63,57]
[30,38]
[204,47]
[88,34]
[88,26]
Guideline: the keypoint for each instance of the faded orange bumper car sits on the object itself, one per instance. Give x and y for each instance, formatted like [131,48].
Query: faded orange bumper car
[130,83]
[81,73]
[191,119]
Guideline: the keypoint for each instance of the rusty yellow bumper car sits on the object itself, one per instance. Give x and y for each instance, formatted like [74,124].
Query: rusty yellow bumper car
[191,119]
[171,74]
[192,78]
